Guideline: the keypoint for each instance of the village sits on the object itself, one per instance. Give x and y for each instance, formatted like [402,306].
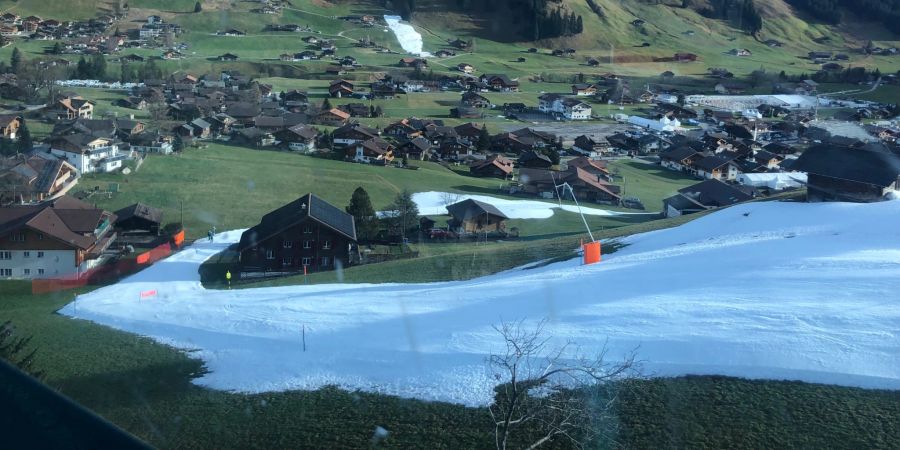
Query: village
[321,223]
[739,147]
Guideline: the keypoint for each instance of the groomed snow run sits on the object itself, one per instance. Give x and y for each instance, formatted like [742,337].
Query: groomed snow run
[760,290]
[435,203]
[410,39]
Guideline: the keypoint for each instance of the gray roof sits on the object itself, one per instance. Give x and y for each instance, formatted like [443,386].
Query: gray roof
[307,206]
[467,209]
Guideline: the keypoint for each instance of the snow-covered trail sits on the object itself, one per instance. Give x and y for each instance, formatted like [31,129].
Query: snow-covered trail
[765,290]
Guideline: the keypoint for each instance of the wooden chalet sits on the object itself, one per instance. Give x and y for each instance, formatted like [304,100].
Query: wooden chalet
[139,218]
[473,216]
[496,165]
[709,194]
[306,235]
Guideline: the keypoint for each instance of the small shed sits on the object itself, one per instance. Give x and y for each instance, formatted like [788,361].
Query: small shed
[139,217]
[473,216]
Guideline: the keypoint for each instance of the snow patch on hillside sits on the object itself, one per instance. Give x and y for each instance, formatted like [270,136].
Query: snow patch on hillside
[760,290]
[410,39]
[435,204]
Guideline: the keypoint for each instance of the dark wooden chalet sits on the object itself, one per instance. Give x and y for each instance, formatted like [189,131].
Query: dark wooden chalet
[836,173]
[139,217]
[535,159]
[702,196]
[308,233]
[473,216]
[494,166]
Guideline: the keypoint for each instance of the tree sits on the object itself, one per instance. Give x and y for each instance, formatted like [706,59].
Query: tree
[14,349]
[484,139]
[198,7]
[326,105]
[15,60]
[363,213]
[404,213]
[178,143]
[57,48]
[575,398]
[24,143]
[83,70]
[98,66]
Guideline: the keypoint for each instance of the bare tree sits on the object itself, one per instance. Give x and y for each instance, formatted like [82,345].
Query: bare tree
[548,394]
[449,198]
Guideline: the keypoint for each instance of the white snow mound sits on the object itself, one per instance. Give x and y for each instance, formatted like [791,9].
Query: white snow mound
[761,290]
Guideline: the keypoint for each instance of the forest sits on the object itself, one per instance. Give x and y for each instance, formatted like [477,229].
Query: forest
[533,19]
[886,12]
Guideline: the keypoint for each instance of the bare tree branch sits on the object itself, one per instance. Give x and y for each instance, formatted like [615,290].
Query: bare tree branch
[544,395]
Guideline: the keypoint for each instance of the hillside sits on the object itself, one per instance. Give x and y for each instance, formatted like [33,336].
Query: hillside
[782,290]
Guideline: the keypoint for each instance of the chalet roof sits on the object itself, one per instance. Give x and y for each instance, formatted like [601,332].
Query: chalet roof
[533,155]
[469,209]
[679,153]
[30,173]
[862,165]
[304,131]
[140,211]
[714,193]
[588,164]
[65,219]
[307,206]
[710,163]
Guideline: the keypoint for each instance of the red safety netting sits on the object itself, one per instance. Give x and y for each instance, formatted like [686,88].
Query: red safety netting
[108,272]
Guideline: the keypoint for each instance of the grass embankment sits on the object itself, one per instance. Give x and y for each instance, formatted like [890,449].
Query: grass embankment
[145,388]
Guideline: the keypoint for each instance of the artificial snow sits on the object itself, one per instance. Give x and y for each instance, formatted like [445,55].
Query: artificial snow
[410,39]
[435,204]
[761,290]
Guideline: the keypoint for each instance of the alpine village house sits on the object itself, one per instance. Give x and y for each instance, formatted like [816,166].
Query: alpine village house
[306,235]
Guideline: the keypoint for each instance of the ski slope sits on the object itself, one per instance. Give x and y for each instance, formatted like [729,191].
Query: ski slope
[761,290]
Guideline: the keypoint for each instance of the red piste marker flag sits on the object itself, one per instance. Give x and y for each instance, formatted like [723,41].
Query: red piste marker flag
[150,293]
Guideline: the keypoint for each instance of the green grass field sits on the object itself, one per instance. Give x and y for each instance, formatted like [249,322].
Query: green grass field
[232,187]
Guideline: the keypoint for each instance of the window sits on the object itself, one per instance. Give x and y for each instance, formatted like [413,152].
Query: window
[286,261]
[5,255]
[17,237]
[26,254]
[326,245]
[307,244]
[307,229]
[288,244]
[40,271]
[5,272]
[307,261]
[40,236]
[26,271]
[326,261]
[40,254]
[270,254]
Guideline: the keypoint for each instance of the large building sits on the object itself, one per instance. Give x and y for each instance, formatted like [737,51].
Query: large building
[307,234]
[62,237]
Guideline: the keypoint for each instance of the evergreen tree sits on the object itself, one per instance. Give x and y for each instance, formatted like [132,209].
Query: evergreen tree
[198,7]
[98,66]
[363,213]
[405,213]
[57,48]
[178,143]
[484,139]
[82,69]
[15,61]
[24,143]
[326,105]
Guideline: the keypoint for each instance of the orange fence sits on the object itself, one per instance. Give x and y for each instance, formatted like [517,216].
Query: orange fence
[107,272]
